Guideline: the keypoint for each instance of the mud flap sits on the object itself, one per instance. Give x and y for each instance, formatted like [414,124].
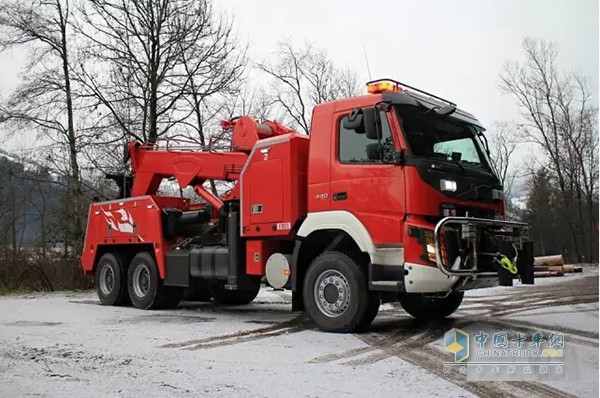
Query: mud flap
[525,263]
[505,278]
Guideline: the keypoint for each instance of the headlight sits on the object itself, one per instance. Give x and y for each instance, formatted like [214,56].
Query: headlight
[448,185]
[431,252]
[430,248]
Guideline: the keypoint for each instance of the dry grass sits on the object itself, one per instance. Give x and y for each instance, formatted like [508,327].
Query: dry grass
[26,272]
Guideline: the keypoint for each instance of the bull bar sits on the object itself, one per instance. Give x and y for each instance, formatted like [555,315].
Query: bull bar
[473,224]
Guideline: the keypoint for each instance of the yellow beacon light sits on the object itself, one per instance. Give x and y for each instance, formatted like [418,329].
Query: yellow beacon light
[381,86]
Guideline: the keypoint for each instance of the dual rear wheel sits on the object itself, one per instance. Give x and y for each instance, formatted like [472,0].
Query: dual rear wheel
[121,282]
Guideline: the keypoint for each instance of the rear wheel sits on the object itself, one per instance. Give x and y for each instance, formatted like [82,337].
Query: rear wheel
[429,308]
[234,297]
[336,294]
[146,289]
[111,280]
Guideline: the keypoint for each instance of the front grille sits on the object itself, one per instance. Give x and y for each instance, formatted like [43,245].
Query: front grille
[461,211]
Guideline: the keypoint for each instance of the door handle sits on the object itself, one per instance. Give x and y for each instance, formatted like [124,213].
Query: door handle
[340,196]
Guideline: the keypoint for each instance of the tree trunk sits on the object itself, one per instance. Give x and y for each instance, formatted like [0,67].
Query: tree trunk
[75,178]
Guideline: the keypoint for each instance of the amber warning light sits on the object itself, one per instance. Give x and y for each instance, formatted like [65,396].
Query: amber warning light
[381,86]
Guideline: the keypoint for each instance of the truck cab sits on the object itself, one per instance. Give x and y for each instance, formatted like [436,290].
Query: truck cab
[407,176]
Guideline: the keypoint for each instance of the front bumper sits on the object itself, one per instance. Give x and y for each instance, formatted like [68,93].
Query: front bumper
[470,261]
[483,248]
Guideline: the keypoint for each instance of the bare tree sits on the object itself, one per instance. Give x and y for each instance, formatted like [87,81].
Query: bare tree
[304,77]
[559,117]
[213,68]
[503,143]
[253,101]
[44,100]
[145,57]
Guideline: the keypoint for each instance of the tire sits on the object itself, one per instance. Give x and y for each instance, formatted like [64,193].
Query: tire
[357,305]
[111,280]
[426,308]
[199,290]
[146,289]
[234,297]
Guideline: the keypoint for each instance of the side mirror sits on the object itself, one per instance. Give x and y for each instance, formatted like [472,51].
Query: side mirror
[371,123]
[445,110]
[354,121]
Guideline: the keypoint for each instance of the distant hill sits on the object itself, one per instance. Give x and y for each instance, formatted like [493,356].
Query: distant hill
[25,191]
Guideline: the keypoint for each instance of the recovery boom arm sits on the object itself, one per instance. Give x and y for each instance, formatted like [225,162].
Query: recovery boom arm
[150,165]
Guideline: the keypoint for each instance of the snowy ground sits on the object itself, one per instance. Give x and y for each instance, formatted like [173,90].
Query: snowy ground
[67,345]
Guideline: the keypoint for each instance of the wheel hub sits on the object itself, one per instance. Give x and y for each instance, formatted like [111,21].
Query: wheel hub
[107,280]
[332,293]
[141,280]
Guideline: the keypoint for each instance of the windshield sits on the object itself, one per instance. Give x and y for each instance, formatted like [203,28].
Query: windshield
[442,138]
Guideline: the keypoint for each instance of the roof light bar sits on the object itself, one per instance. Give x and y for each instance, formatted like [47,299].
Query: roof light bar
[381,85]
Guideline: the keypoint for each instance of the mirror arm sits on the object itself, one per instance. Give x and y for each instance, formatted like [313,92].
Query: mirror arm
[379,131]
[383,105]
[485,140]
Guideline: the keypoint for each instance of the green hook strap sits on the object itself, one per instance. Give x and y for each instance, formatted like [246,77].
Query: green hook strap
[508,265]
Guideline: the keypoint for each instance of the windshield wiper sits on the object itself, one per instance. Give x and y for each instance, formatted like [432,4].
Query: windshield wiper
[457,162]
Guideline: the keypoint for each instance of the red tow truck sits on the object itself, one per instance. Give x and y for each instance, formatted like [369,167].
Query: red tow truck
[392,197]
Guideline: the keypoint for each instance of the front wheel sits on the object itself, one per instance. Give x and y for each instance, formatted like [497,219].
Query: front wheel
[336,294]
[429,308]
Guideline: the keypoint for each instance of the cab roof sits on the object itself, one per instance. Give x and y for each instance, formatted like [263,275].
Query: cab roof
[397,93]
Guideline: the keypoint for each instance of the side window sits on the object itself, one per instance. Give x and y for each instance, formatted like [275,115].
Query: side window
[357,148]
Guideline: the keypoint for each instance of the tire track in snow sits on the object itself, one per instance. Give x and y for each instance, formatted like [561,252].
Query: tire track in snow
[295,325]
[412,342]
[419,352]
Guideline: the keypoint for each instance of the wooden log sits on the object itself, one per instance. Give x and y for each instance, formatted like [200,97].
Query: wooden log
[568,268]
[546,274]
[577,269]
[540,268]
[549,260]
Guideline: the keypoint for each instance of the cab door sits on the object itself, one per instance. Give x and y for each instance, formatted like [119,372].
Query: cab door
[365,182]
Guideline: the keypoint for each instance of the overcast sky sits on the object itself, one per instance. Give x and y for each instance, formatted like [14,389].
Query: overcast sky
[454,49]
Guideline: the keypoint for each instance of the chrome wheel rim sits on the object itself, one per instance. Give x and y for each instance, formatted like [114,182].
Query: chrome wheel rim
[141,280]
[332,293]
[107,280]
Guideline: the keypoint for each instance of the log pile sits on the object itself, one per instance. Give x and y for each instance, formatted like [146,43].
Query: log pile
[546,266]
